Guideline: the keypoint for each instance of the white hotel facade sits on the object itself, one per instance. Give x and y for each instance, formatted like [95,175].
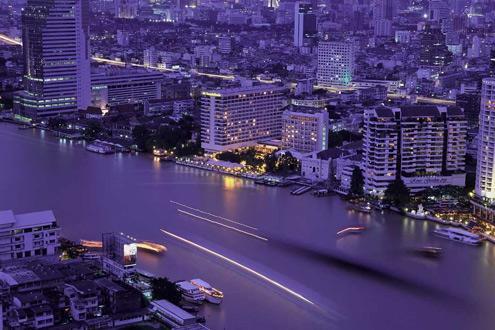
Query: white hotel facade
[425,146]
[241,117]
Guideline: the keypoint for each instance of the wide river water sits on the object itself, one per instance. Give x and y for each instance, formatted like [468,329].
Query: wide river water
[366,281]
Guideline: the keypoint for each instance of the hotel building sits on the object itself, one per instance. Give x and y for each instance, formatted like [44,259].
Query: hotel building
[425,146]
[28,235]
[305,129]
[55,37]
[335,63]
[240,117]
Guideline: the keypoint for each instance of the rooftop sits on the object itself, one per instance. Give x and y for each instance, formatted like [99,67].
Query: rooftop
[8,218]
[238,90]
[171,308]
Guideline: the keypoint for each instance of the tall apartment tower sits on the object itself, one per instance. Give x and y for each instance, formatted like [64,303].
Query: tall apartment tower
[304,25]
[485,178]
[336,61]
[55,36]
[423,145]
[126,8]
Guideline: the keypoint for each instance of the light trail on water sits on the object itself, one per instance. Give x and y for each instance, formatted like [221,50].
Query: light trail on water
[244,267]
[213,215]
[223,225]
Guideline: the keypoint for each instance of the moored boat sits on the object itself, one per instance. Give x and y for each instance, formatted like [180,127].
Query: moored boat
[459,235]
[212,295]
[364,208]
[99,148]
[190,292]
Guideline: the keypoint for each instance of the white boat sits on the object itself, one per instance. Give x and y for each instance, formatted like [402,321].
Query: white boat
[190,292]
[99,148]
[419,214]
[212,295]
[459,235]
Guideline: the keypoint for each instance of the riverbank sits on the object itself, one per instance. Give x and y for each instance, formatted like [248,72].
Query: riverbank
[130,193]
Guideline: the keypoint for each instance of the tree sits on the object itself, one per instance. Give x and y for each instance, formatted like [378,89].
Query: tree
[357,182]
[141,134]
[162,288]
[93,130]
[287,163]
[397,193]
[57,123]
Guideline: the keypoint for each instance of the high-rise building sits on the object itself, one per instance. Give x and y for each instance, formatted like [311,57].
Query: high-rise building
[55,36]
[434,52]
[383,14]
[304,25]
[123,87]
[150,57]
[225,44]
[438,10]
[383,9]
[492,62]
[335,63]
[425,146]
[240,117]
[485,178]
[126,8]
[305,129]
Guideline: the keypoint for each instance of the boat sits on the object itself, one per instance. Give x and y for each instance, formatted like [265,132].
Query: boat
[419,214]
[351,230]
[190,292]
[212,295]
[459,235]
[364,208]
[429,251]
[151,247]
[99,148]
[90,256]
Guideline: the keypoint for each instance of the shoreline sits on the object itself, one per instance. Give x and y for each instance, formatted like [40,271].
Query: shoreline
[254,178]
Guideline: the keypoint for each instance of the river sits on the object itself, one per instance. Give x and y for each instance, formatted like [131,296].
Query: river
[382,287]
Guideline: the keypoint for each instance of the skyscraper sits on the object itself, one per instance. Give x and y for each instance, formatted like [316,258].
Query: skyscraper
[126,8]
[383,14]
[434,52]
[485,178]
[55,37]
[383,9]
[335,63]
[304,25]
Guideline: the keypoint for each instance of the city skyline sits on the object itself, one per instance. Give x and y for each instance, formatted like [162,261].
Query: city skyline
[247,164]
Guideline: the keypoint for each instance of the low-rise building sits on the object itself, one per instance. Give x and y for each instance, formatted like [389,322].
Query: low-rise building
[27,235]
[84,299]
[319,166]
